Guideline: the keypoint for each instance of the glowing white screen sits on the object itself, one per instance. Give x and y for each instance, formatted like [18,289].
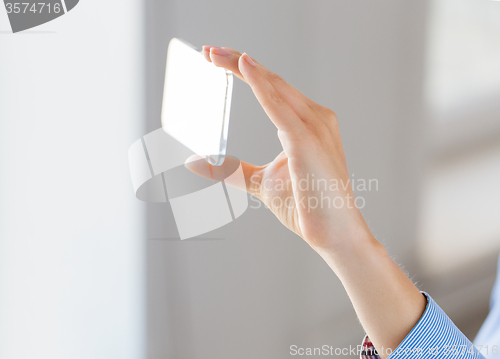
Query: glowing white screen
[196,102]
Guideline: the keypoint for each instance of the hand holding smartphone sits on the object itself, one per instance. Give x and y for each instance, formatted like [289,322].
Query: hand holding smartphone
[196,102]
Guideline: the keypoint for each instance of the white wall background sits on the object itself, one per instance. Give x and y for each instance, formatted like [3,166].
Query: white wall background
[71,231]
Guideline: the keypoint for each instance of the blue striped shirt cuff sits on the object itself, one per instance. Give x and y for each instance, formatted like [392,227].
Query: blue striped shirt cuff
[434,336]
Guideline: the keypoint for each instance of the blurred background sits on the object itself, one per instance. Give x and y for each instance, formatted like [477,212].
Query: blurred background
[88,271]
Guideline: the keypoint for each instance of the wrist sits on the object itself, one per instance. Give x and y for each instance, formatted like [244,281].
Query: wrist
[352,248]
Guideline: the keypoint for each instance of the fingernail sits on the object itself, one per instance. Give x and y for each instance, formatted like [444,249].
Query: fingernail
[218,51]
[229,49]
[248,59]
[206,53]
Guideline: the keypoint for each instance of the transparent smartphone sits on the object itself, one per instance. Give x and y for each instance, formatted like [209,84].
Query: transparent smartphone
[196,102]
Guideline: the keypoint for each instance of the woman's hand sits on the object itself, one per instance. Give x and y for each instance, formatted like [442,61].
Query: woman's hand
[306,186]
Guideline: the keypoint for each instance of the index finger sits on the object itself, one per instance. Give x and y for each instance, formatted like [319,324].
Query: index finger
[279,111]
[228,58]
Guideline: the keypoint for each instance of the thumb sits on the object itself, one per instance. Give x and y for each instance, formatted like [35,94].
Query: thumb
[228,172]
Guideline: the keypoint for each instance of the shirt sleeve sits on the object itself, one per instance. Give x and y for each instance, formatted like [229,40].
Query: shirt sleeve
[434,336]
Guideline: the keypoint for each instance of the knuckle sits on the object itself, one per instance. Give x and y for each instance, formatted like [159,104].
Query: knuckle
[333,116]
[275,97]
[329,114]
[325,114]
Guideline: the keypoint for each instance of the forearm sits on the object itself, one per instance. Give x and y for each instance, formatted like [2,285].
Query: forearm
[386,301]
